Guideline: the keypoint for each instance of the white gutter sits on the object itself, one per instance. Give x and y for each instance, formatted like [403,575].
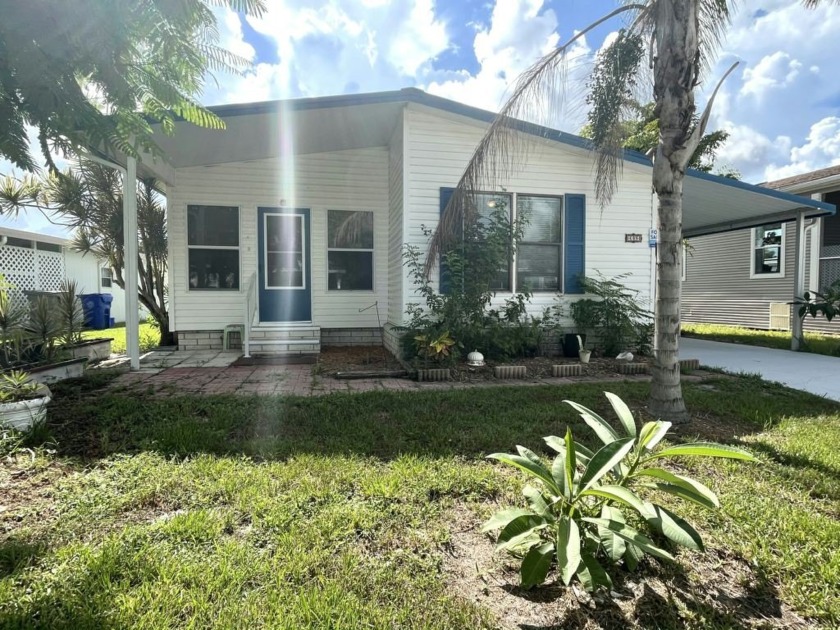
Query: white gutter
[130,251]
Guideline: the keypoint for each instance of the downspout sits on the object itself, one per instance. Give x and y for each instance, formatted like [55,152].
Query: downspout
[130,249]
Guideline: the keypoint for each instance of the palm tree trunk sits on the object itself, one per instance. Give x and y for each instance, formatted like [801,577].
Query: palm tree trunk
[676,70]
[666,400]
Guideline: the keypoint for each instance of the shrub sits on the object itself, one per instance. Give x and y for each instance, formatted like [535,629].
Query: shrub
[463,312]
[576,518]
[614,319]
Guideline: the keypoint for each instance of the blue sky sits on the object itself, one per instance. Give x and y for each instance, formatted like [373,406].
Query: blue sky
[781,106]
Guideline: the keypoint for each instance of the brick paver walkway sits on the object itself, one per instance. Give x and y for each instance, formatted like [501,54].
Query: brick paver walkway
[209,372]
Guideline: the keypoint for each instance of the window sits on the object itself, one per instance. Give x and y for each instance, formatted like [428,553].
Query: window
[768,251]
[47,247]
[213,246]
[486,204]
[349,250]
[105,277]
[540,252]
[18,242]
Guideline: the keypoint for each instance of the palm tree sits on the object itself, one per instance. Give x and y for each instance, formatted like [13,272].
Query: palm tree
[98,72]
[679,38]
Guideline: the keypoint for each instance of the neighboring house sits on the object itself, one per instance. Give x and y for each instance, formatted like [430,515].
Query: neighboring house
[746,277]
[292,221]
[38,262]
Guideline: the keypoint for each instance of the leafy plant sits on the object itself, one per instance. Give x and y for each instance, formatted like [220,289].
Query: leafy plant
[435,347]
[71,315]
[472,270]
[614,316]
[12,320]
[16,386]
[815,303]
[583,511]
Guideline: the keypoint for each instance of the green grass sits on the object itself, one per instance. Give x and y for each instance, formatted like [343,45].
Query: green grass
[335,512]
[814,342]
[149,337]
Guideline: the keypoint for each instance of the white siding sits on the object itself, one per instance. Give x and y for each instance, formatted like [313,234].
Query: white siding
[438,149]
[343,180]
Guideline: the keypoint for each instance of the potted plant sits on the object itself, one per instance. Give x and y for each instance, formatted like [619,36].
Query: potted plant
[583,353]
[23,403]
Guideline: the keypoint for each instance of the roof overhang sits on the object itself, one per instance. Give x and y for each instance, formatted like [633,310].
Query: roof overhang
[255,131]
[714,204]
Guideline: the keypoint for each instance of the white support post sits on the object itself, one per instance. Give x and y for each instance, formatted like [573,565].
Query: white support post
[130,249]
[798,281]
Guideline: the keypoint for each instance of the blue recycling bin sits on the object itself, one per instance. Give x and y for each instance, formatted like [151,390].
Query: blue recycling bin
[97,308]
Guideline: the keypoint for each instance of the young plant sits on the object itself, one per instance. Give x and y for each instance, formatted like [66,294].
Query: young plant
[435,347]
[71,315]
[16,386]
[583,509]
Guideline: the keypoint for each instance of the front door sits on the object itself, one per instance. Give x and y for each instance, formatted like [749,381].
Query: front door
[285,290]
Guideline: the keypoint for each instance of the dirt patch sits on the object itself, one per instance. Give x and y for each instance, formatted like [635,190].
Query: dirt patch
[334,359]
[715,589]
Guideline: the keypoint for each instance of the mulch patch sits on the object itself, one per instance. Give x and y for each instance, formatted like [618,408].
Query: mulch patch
[716,588]
[334,359]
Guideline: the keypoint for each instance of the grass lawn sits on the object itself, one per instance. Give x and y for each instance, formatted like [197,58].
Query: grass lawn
[814,342]
[341,511]
[149,337]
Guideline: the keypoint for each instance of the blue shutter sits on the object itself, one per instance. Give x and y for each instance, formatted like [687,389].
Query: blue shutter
[574,263]
[445,280]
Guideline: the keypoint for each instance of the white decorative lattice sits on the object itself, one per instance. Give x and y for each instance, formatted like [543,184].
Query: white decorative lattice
[50,271]
[30,270]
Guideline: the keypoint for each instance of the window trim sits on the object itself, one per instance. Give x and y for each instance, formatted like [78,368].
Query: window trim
[238,247]
[329,249]
[303,245]
[561,288]
[753,248]
[110,278]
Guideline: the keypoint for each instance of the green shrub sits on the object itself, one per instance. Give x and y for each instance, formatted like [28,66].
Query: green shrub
[613,320]
[472,269]
[576,518]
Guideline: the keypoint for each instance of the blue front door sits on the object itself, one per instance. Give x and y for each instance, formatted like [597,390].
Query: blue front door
[285,286]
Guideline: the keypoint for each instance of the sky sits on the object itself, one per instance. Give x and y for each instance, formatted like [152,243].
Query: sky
[781,105]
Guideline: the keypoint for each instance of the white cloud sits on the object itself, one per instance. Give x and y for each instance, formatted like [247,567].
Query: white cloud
[774,71]
[336,47]
[779,109]
[519,33]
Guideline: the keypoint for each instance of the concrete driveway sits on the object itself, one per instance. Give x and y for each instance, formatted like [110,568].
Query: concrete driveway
[813,373]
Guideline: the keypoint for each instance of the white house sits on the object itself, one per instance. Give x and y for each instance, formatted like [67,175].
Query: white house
[255,211]
[39,262]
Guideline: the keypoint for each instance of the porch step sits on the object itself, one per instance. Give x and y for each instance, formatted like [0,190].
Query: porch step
[284,339]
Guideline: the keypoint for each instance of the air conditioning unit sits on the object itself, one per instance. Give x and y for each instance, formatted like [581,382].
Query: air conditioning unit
[779,316]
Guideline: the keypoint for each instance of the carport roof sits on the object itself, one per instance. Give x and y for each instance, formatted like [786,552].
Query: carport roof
[711,203]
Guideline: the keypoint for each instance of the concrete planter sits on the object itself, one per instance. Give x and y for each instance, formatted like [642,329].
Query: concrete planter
[434,374]
[569,369]
[24,414]
[93,350]
[686,365]
[46,374]
[509,371]
[632,368]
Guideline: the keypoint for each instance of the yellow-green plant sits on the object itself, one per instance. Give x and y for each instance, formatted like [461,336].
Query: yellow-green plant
[583,509]
[437,348]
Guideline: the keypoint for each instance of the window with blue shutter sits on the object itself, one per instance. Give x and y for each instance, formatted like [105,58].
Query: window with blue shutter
[538,263]
[575,259]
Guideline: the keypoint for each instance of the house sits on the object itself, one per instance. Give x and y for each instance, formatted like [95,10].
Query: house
[258,215]
[746,277]
[39,262]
